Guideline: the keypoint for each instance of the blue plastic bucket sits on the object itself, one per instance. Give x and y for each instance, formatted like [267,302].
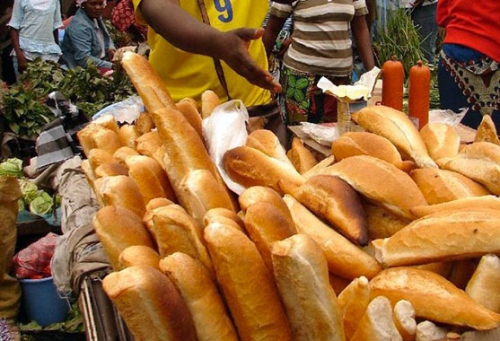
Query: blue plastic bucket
[42,303]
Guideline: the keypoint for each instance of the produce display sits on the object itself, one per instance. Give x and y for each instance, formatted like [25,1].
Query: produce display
[363,245]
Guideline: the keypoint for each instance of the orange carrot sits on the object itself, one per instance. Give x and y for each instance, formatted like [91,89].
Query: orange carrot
[393,83]
[419,93]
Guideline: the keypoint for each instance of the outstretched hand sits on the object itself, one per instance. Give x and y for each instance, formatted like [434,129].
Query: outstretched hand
[234,52]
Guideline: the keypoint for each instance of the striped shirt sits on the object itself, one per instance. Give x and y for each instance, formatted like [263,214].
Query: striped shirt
[321,42]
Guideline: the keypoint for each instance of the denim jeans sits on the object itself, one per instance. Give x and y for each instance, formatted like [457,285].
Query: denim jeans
[424,19]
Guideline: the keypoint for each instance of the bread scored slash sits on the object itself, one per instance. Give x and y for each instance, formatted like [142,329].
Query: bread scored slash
[441,140]
[268,143]
[247,285]
[397,127]
[335,201]
[150,304]
[381,182]
[442,236]
[301,157]
[433,297]
[301,273]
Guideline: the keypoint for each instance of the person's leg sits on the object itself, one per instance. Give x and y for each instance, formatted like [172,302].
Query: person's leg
[424,19]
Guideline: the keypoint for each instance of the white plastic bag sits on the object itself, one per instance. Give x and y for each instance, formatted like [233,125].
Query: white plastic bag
[225,129]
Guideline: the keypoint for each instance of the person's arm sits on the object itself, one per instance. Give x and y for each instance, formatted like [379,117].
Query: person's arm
[363,41]
[182,30]
[273,28]
[14,25]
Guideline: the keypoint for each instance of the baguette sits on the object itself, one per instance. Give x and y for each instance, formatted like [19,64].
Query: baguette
[486,131]
[122,153]
[107,121]
[247,285]
[397,128]
[157,202]
[319,167]
[163,313]
[301,158]
[377,323]
[337,203]
[98,157]
[268,143]
[404,319]
[139,255]
[428,331]
[147,82]
[441,140]
[225,216]
[343,257]
[483,286]
[301,273]
[144,123]
[210,316]
[381,223]
[366,143]
[250,167]
[117,229]
[110,169]
[440,185]
[188,108]
[443,236]
[209,101]
[353,302]
[176,231]
[266,224]
[128,134]
[384,184]
[429,293]
[122,191]
[486,201]
[151,145]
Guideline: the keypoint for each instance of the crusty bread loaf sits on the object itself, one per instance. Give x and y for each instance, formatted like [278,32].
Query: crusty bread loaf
[210,316]
[225,217]
[139,255]
[122,153]
[301,157]
[481,170]
[98,157]
[381,223]
[250,167]
[441,140]
[301,274]
[353,302]
[147,82]
[404,319]
[482,150]
[486,131]
[266,224]
[366,143]
[150,145]
[117,229]
[247,285]
[264,194]
[428,331]
[110,169]
[199,191]
[486,201]
[268,143]
[440,185]
[144,123]
[461,272]
[483,286]
[429,293]
[443,236]
[381,182]
[174,230]
[150,177]
[150,304]
[397,127]
[98,136]
[377,323]
[122,191]
[343,257]
[318,168]
[337,203]
[209,101]
[338,283]
[187,107]
[128,134]
[158,202]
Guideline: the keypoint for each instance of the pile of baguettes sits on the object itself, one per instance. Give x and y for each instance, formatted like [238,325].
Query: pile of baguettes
[392,237]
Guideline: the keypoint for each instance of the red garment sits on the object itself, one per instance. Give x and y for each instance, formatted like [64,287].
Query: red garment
[33,262]
[474,25]
[123,17]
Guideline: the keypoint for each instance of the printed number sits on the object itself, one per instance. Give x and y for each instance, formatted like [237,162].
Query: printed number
[226,10]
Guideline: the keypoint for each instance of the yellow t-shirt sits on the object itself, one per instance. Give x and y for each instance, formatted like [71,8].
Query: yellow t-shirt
[188,75]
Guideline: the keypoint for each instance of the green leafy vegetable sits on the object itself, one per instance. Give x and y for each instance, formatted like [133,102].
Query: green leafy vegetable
[42,204]
[12,167]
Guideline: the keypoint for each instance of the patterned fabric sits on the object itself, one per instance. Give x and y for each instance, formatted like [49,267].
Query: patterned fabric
[123,17]
[304,101]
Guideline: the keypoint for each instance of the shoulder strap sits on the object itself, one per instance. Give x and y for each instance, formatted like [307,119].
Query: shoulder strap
[217,64]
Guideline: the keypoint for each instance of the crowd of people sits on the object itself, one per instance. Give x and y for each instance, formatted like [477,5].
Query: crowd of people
[198,46]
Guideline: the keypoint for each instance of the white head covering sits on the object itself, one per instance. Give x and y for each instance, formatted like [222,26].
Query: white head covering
[80,2]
